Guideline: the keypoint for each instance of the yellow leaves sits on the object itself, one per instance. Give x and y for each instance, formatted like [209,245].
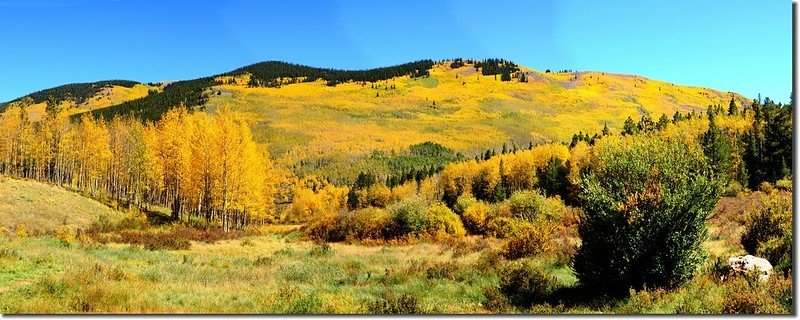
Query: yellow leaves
[93,147]
[315,199]
[520,169]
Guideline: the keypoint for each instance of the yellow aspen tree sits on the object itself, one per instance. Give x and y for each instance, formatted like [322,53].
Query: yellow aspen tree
[93,142]
[204,170]
[172,155]
[12,122]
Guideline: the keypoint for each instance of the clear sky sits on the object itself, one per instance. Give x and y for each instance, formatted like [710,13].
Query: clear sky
[732,45]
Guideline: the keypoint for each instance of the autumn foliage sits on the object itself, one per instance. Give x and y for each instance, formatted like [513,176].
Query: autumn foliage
[196,164]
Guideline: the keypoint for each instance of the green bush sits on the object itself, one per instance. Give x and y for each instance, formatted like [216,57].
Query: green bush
[734,189]
[641,192]
[407,217]
[784,184]
[504,227]
[527,205]
[525,283]
[394,304]
[440,220]
[463,202]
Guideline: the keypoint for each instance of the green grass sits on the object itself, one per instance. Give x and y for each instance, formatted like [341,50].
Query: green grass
[282,273]
[271,274]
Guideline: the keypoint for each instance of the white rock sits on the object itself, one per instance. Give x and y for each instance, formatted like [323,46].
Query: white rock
[746,264]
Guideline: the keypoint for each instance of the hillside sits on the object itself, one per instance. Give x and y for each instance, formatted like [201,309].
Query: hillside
[333,122]
[459,108]
[82,97]
[43,207]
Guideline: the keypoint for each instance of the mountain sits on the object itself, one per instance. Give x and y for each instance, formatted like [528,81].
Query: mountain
[317,116]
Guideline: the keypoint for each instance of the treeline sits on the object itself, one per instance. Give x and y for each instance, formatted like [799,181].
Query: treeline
[78,92]
[193,93]
[189,93]
[760,153]
[272,73]
[768,143]
[203,167]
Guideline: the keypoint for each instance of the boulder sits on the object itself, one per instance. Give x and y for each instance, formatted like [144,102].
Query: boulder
[748,263]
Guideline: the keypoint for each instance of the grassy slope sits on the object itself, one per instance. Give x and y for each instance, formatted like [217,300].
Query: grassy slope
[472,112]
[44,207]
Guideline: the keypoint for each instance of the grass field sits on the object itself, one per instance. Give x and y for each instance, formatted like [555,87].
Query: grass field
[275,270]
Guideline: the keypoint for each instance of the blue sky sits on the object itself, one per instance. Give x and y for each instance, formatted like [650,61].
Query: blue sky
[732,45]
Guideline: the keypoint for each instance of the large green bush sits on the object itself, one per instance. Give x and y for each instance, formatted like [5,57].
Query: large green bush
[645,210]
[408,217]
[527,205]
[525,283]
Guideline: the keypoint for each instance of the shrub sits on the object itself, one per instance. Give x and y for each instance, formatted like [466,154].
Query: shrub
[784,184]
[734,189]
[474,217]
[527,205]
[407,217]
[749,296]
[443,270]
[321,250]
[766,187]
[21,231]
[524,283]
[531,240]
[378,195]
[65,236]
[370,223]
[504,227]
[393,304]
[641,191]
[768,231]
[323,229]
[367,223]
[463,202]
[440,220]
[495,301]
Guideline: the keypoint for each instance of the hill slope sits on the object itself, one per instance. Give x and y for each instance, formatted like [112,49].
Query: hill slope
[82,97]
[458,107]
[43,207]
[319,116]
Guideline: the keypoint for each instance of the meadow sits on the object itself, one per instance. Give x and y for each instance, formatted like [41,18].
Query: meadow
[277,269]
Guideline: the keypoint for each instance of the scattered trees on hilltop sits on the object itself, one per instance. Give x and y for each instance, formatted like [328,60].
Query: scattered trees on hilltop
[271,73]
[77,92]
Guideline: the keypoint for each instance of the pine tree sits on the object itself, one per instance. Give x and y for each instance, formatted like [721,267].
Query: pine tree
[662,122]
[629,127]
[717,148]
[606,131]
[732,109]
